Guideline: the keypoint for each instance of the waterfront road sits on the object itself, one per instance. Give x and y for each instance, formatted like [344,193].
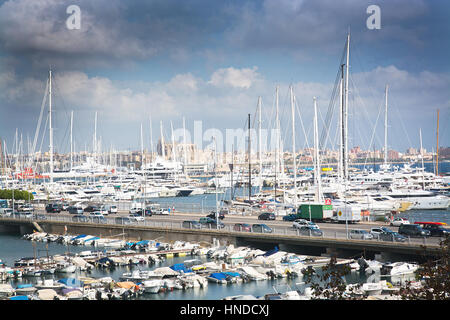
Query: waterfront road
[174,220]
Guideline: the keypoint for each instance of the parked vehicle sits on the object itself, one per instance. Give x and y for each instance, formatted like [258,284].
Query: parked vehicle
[79,218]
[104,210]
[40,216]
[360,234]
[111,208]
[436,228]
[291,217]
[261,227]
[297,224]
[316,212]
[160,211]
[53,208]
[379,230]
[397,222]
[266,216]
[136,217]
[7,212]
[92,208]
[310,231]
[413,230]
[191,224]
[122,220]
[98,219]
[207,222]
[23,215]
[391,236]
[75,210]
[245,227]
[213,215]
[96,214]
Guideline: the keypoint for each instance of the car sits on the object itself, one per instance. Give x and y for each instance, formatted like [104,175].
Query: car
[111,208]
[191,224]
[391,236]
[360,234]
[291,217]
[75,210]
[310,231]
[53,208]
[24,215]
[261,227]
[92,208]
[26,207]
[96,214]
[266,216]
[160,211]
[397,222]
[302,222]
[122,220]
[245,227]
[104,210]
[64,206]
[436,230]
[378,230]
[207,222]
[98,219]
[413,230]
[40,216]
[79,218]
[213,215]
[7,212]
[136,217]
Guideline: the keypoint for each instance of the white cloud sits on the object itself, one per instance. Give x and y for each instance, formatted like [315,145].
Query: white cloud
[236,78]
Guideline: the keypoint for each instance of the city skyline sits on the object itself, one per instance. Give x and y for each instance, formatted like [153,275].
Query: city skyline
[210,61]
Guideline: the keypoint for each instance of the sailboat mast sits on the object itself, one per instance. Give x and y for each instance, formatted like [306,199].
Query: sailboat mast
[259,143]
[71,140]
[185,146]
[277,145]
[163,151]
[437,144]
[249,162]
[316,155]
[421,157]
[293,148]
[50,128]
[346,110]
[386,126]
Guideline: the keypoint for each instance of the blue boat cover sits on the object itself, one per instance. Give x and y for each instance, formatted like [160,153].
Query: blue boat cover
[270,252]
[71,282]
[233,274]
[24,285]
[143,242]
[180,267]
[218,275]
[78,237]
[92,238]
[19,298]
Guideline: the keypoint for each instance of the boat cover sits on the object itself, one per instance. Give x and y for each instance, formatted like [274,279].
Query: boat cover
[180,267]
[71,282]
[218,275]
[78,237]
[19,298]
[125,284]
[233,274]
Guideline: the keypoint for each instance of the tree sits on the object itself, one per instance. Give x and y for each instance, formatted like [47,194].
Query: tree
[331,283]
[18,194]
[433,276]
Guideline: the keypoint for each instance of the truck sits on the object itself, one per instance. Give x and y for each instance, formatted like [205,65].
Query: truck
[315,212]
[347,214]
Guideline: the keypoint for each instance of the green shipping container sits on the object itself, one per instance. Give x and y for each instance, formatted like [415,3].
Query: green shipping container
[316,211]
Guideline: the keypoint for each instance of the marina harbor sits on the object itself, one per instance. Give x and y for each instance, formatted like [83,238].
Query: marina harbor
[224,151]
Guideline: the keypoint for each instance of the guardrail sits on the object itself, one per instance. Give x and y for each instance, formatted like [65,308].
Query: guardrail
[285,231]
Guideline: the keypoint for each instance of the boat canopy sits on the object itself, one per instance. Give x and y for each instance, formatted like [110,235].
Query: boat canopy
[180,267]
[232,274]
[19,298]
[71,282]
[218,275]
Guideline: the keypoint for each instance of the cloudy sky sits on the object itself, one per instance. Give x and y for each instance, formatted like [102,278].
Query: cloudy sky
[132,61]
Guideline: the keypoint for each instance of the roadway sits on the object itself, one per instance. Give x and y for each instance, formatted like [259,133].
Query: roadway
[174,220]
